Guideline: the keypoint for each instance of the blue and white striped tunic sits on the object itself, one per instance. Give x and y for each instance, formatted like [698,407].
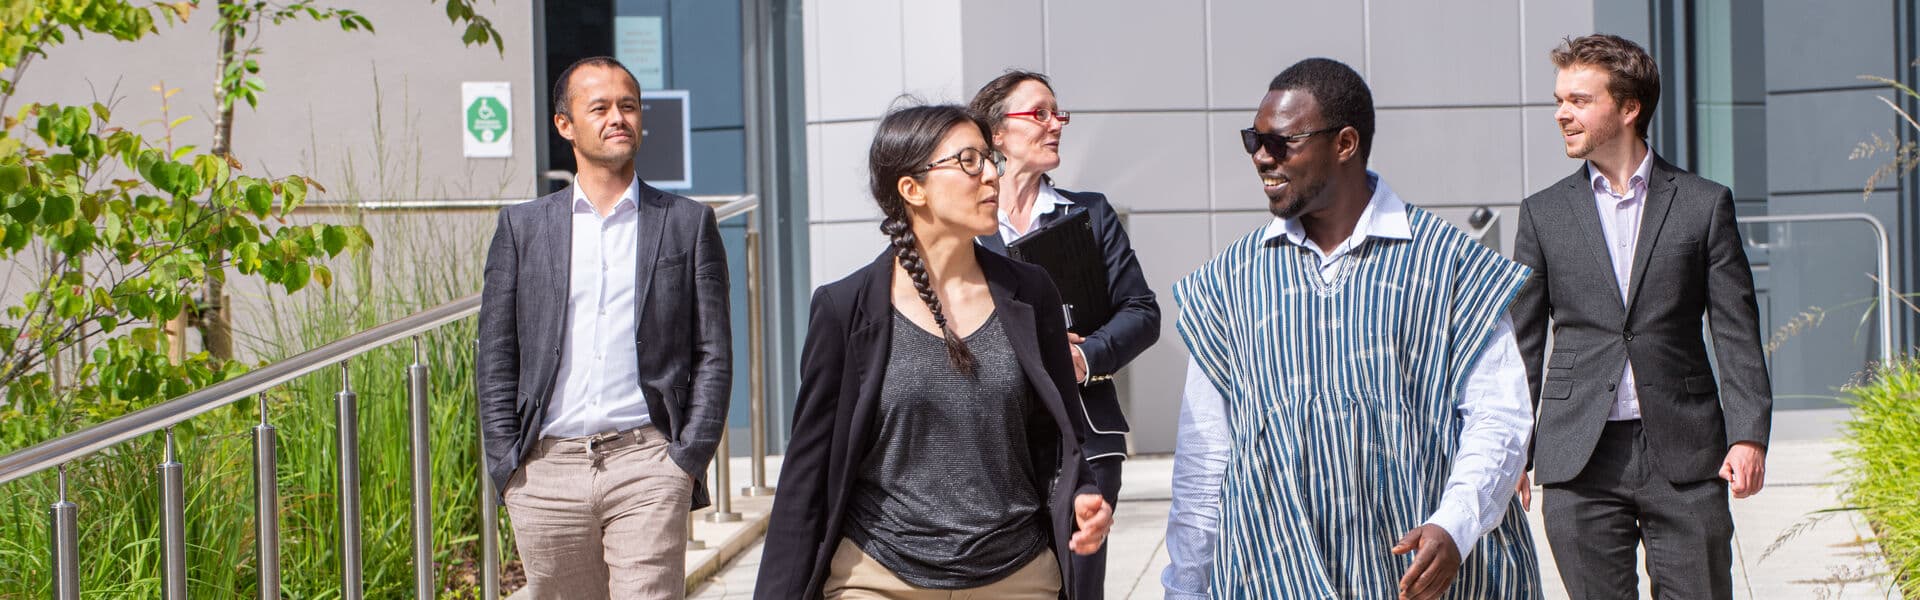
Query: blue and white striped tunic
[1341,398]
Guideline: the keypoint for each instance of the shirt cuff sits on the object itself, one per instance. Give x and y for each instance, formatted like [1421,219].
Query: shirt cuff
[1457,524]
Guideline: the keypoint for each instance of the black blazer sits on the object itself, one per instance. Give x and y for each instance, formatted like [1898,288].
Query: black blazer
[1689,264]
[849,338]
[681,334]
[1133,327]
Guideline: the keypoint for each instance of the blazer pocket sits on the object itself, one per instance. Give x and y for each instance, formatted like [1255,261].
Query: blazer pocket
[1700,385]
[1559,389]
[1562,360]
[1683,247]
[671,262]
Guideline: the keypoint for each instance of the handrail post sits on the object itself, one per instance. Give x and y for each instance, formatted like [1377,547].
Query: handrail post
[173,526]
[266,505]
[65,544]
[422,478]
[756,369]
[489,520]
[722,485]
[347,420]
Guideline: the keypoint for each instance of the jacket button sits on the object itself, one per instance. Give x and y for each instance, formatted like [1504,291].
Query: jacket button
[1610,387]
[1628,334]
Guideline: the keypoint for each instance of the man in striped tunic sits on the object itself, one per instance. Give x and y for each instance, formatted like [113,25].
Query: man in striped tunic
[1356,412]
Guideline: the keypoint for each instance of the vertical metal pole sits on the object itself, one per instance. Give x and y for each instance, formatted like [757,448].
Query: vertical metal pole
[422,478]
[489,522]
[347,422]
[65,544]
[173,526]
[693,543]
[756,364]
[266,505]
[722,484]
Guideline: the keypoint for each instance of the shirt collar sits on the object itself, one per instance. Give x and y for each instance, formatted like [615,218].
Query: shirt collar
[1640,174]
[629,199]
[1385,217]
[1047,201]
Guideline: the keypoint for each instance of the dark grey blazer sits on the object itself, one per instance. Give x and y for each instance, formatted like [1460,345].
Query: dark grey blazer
[681,334]
[1689,264]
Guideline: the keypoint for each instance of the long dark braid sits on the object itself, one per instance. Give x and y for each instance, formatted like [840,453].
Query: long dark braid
[904,142]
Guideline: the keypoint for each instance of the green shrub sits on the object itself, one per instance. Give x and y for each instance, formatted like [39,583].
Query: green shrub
[1883,465]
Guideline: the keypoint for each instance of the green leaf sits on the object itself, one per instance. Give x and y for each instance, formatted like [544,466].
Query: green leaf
[58,209]
[296,276]
[26,209]
[259,199]
[333,240]
[12,178]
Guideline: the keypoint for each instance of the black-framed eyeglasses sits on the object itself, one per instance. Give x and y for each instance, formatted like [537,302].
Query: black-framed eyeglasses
[971,161]
[1045,116]
[1277,144]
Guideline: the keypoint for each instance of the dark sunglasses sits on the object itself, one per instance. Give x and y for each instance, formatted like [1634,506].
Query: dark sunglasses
[1277,144]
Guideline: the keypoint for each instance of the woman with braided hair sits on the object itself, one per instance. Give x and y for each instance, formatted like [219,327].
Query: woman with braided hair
[934,451]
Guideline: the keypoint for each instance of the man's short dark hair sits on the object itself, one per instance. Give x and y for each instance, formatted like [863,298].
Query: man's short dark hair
[1344,98]
[562,94]
[1631,73]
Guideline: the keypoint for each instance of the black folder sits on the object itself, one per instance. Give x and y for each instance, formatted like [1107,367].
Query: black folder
[1069,252]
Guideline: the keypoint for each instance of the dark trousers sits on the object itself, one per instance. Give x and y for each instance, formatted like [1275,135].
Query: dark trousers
[1620,501]
[1090,571]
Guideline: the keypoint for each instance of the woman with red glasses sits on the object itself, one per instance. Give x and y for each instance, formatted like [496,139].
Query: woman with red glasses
[1026,123]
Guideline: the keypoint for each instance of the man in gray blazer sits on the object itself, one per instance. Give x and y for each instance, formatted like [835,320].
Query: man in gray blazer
[1634,441]
[605,363]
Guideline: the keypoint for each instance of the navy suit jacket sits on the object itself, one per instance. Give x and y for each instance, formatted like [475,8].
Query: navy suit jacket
[1134,326]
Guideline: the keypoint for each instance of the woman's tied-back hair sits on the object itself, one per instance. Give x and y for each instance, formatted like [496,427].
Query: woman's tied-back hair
[990,103]
[903,143]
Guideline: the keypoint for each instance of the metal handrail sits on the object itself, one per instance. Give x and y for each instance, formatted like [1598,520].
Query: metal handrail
[56,453]
[1885,263]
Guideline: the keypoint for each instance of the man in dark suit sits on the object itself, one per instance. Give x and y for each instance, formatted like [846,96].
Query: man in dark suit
[1634,442]
[604,365]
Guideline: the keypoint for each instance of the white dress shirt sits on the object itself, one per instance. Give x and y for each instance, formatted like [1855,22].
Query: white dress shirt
[1045,204]
[1620,223]
[1496,416]
[598,387]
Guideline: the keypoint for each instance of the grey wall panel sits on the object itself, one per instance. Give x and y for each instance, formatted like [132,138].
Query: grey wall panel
[1426,53]
[1235,183]
[1142,161]
[1450,156]
[1230,227]
[860,47]
[1127,54]
[1814,133]
[1001,34]
[843,172]
[931,30]
[1545,150]
[1547,22]
[1246,53]
[1814,44]
[839,248]
[1152,385]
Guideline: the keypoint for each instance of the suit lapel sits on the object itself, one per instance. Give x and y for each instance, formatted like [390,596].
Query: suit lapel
[870,345]
[1017,318]
[1586,214]
[993,242]
[1660,192]
[653,222]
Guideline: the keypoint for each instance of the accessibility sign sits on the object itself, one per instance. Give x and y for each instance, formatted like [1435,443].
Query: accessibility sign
[487,119]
